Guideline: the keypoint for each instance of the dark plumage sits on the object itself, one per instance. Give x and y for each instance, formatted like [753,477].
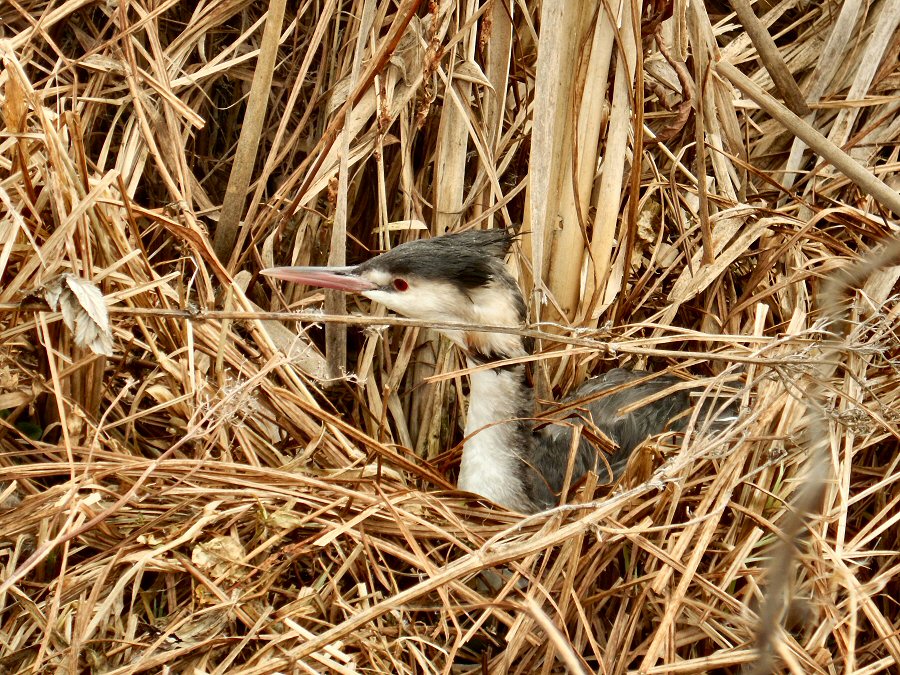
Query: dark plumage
[470,259]
[667,412]
[462,278]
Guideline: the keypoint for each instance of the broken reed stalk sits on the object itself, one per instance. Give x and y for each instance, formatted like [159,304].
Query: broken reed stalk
[806,506]
[862,177]
[228,232]
[200,484]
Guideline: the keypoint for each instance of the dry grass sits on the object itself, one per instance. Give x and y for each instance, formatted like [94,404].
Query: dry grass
[205,499]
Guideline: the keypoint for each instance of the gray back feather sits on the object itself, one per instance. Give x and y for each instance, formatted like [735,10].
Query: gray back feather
[627,430]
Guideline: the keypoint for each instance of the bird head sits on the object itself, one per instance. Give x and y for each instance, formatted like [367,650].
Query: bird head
[456,278]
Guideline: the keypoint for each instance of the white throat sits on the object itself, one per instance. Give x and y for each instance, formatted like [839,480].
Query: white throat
[497,437]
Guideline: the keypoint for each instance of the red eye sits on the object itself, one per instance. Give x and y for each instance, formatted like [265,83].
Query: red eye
[400,284]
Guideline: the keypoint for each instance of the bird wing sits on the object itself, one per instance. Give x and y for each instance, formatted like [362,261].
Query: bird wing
[626,407]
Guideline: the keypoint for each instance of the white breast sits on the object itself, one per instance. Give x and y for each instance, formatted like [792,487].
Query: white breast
[491,466]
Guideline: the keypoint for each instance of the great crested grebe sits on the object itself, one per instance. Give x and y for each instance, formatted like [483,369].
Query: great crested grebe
[462,278]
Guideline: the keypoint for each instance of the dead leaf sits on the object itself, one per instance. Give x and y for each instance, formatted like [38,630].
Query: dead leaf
[469,71]
[84,311]
[222,555]
[15,106]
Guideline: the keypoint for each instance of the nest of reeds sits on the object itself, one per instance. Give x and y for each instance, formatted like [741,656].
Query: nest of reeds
[192,482]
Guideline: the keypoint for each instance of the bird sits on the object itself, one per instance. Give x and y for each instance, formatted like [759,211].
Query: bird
[508,457]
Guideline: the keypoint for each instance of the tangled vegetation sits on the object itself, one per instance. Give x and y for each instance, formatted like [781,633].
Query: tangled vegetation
[190,483]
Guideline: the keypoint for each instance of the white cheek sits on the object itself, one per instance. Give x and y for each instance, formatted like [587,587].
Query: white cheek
[381,297]
[493,306]
[438,303]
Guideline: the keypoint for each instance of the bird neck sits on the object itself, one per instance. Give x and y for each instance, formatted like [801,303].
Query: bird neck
[498,433]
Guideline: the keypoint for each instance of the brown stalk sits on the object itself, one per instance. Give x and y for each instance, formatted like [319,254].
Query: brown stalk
[206,498]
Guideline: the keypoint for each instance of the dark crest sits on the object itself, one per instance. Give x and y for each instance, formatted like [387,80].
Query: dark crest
[470,259]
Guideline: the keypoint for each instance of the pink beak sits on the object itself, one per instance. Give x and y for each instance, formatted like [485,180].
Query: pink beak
[338,278]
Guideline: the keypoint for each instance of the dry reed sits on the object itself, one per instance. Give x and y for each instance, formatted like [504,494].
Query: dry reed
[211,494]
